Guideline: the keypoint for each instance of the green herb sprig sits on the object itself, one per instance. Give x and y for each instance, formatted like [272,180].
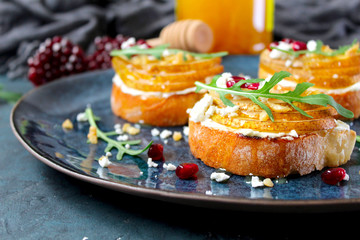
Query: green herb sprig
[157,52]
[288,97]
[9,96]
[119,145]
[318,50]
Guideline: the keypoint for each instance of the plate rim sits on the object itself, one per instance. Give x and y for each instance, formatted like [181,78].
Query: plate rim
[193,199]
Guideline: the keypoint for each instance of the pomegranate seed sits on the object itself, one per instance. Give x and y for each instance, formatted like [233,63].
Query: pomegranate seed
[187,170]
[288,40]
[273,44]
[156,152]
[297,46]
[230,83]
[333,176]
[238,78]
[235,79]
[253,86]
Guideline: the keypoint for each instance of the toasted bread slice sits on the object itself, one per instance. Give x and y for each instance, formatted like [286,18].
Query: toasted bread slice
[158,92]
[157,111]
[270,157]
[337,76]
[246,144]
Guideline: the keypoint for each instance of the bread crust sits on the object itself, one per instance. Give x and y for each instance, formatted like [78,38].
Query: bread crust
[156,111]
[267,157]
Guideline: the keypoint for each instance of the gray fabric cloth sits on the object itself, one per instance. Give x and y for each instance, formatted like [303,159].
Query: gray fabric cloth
[335,22]
[25,23]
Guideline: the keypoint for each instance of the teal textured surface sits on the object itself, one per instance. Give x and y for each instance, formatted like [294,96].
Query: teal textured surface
[37,202]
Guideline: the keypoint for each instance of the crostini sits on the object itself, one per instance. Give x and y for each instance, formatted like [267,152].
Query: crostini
[155,86]
[335,72]
[245,127]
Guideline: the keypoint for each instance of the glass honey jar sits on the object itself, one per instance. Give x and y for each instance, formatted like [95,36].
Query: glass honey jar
[239,26]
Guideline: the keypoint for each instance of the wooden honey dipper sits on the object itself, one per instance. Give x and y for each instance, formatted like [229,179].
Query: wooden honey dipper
[191,35]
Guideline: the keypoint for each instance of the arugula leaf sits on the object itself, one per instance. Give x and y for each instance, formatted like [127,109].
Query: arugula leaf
[158,51]
[119,145]
[318,50]
[9,96]
[288,97]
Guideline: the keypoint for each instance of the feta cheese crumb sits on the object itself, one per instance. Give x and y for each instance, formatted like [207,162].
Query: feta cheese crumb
[165,134]
[127,146]
[311,45]
[210,112]
[221,81]
[128,43]
[255,182]
[275,54]
[122,137]
[186,130]
[197,113]
[104,161]
[166,53]
[169,166]
[219,176]
[150,163]
[155,132]
[81,117]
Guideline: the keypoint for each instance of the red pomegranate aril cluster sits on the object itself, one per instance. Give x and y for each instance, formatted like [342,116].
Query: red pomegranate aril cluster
[236,79]
[101,58]
[56,57]
[156,152]
[295,45]
[333,176]
[187,171]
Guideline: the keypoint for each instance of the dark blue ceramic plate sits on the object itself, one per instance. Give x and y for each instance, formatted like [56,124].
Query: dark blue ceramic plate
[36,121]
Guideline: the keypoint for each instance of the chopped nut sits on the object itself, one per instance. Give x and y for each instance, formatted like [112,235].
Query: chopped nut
[92,135]
[67,125]
[133,130]
[177,136]
[125,127]
[130,129]
[267,182]
[59,155]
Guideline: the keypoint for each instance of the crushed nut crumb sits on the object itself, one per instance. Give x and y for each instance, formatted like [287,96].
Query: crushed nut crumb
[67,125]
[268,183]
[92,135]
[177,136]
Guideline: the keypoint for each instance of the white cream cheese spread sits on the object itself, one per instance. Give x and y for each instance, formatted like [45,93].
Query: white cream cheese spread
[135,92]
